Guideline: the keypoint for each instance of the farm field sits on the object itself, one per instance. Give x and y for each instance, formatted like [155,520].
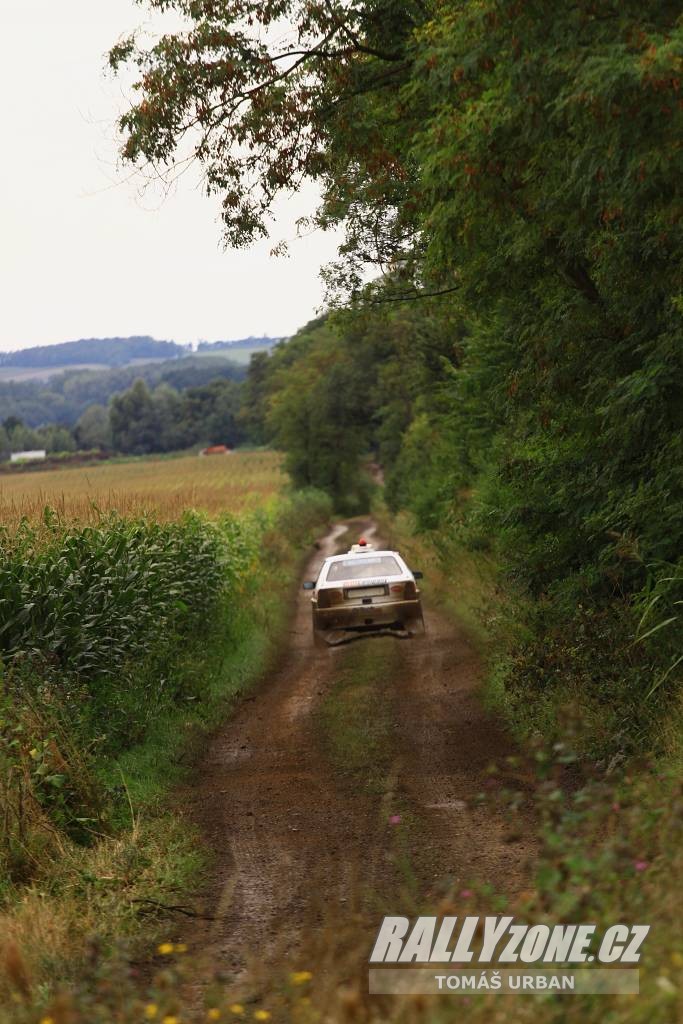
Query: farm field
[19,373]
[240,356]
[163,486]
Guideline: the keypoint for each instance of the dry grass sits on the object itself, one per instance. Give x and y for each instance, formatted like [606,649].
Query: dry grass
[164,487]
[45,934]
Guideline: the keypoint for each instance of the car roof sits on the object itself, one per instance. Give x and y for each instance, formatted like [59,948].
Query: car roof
[360,554]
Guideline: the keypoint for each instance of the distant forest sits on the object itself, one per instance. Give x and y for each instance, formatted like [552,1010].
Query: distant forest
[139,421]
[120,351]
[64,398]
[105,351]
[61,400]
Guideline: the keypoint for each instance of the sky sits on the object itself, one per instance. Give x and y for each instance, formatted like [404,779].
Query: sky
[84,251]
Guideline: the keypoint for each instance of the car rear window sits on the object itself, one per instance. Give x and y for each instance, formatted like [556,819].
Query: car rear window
[366,568]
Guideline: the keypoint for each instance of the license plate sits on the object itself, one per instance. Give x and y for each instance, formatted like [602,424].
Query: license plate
[365,592]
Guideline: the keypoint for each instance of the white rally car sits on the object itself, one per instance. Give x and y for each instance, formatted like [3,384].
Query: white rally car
[364,591]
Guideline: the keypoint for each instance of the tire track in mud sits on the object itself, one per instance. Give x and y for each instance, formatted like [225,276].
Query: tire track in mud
[293,842]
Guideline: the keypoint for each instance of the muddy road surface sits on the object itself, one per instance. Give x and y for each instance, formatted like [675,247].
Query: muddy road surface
[350,778]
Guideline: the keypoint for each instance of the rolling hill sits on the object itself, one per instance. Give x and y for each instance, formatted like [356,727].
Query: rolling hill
[56,383]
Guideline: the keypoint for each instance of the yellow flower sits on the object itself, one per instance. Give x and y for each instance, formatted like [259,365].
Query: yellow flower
[171,1020]
[237,1009]
[300,977]
[213,1014]
[261,1015]
[47,1020]
[151,1011]
[181,947]
[165,948]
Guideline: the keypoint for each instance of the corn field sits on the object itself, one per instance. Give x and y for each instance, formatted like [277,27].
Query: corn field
[89,599]
[97,620]
[163,487]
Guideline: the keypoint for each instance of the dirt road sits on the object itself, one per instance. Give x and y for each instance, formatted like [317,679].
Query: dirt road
[299,835]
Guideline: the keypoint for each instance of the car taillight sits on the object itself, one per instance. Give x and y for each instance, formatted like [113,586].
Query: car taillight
[328,598]
[397,588]
[410,592]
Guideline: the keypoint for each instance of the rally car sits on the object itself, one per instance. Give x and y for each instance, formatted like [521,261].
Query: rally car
[364,591]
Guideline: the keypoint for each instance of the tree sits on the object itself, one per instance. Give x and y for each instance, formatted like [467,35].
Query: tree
[253,411]
[134,424]
[211,413]
[93,429]
[54,438]
[171,433]
[521,163]
[23,439]
[261,111]
[318,412]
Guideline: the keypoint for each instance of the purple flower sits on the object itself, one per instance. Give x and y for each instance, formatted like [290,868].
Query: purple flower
[395,819]
[641,865]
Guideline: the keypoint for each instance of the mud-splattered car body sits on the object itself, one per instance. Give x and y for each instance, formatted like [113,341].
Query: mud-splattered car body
[364,591]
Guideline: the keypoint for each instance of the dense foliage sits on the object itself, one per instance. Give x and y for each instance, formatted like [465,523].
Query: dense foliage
[139,421]
[64,397]
[166,420]
[522,166]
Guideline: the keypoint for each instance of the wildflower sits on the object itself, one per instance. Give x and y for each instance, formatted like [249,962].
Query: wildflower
[395,819]
[261,1015]
[151,1011]
[465,894]
[641,865]
[166,948]
[47,1020]
[300,977]
[171,1020]
[213,1014]
[181,947]
[237,1009]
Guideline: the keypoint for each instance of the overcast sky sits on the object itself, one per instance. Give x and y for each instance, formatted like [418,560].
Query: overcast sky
[83,254]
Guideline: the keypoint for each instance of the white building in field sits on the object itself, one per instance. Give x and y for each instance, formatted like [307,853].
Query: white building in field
[34,456]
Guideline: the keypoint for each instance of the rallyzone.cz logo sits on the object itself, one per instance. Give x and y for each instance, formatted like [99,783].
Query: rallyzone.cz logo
[502,941]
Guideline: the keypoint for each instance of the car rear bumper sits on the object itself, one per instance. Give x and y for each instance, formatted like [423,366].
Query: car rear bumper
[367,616]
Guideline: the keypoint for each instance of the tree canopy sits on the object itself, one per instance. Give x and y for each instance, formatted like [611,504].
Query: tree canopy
[513,172]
